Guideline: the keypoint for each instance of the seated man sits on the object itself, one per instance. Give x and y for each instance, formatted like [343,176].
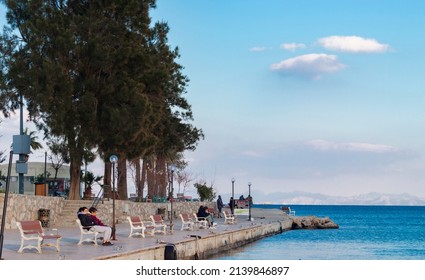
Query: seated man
[203,214]
[90,224]
[93,213]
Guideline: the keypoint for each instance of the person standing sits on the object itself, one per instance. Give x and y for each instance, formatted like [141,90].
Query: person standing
[219,205]
[232,205]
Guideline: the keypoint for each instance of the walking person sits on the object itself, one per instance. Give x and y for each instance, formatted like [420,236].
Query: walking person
[219,205]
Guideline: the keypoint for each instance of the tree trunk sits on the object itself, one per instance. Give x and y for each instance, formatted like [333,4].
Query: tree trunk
[139,184]
[122,178]
[143,177]
[74,170]
[161,176]
[107,181]
[150,177]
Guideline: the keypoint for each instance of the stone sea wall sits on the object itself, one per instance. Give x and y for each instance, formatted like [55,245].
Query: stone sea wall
[26,207]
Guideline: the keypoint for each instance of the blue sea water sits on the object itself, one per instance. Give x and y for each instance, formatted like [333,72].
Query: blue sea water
[365,233]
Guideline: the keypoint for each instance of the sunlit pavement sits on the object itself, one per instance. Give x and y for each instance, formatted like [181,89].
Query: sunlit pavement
[70,250]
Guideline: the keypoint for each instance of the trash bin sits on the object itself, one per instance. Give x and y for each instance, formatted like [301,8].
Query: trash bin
[161,211]
[44,217]
[40,189]
[170,252]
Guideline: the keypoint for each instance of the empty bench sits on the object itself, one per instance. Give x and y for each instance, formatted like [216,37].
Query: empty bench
[33,235]
[288,211]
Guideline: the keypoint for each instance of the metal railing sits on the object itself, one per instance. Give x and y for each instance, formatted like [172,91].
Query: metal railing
[99,197]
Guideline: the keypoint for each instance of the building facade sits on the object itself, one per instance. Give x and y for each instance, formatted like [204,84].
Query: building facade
[55,187]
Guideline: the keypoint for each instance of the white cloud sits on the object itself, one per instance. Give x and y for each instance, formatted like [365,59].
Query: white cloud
[353,44]
[259,49]
[313,65]
[351,146]
[292,46]
[251,153]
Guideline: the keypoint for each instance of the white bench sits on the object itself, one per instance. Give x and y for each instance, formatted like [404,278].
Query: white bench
[159,225]
[136,226]
[32,231]
[288,211]
[187,222]
[229,218]
[200,222]
[86,235]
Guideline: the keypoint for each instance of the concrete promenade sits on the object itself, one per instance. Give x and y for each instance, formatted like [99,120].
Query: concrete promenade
[196,244]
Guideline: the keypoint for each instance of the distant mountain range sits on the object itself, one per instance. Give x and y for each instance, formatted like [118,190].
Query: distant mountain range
[372,198]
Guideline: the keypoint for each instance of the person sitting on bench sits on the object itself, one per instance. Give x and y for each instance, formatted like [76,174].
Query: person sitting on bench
[93,213]
[203,214]
[90,224]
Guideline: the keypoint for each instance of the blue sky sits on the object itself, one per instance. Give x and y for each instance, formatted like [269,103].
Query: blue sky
[315,96]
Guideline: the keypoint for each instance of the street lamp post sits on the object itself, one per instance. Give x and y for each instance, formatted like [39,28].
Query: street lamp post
[233,196]
[249,200]
[113,159]
[172,169]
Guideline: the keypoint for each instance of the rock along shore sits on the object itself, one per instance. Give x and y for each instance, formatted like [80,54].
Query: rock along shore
[313,222]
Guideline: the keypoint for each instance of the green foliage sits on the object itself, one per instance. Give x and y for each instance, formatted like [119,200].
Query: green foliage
[89,179]
[39,179]
[35,145]
[205,193]
[99,75]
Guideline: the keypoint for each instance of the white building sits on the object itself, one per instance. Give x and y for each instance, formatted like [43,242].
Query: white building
[35,169]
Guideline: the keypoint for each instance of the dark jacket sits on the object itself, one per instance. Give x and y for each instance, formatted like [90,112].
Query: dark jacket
[219,203]
[86,220]
[201,213]
[231,203]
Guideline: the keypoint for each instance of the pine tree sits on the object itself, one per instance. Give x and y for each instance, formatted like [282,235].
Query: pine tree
[99,76]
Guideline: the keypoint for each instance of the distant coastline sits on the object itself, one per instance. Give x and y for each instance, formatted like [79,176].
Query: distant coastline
[305,198]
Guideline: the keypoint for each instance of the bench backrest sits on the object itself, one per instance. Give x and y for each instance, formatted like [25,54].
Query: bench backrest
[286,209]
[185,217]
[31,227]
[157,219]
[135,220]
[81,226]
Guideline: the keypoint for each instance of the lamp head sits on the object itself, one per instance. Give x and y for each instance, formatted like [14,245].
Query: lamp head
[113,159]
[233,180]
[172,167]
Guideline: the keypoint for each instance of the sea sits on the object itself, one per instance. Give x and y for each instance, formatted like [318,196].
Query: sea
[365,233]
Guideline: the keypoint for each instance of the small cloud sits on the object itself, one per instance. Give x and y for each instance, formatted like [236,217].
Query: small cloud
[353,44]
[323,145]
[313,65]
[259,49]
[251,153]
[292,46]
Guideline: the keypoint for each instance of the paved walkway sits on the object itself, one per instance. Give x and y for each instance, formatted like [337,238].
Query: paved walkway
[69,249]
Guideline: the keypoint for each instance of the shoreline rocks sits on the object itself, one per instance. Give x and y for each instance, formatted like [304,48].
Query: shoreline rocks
[313,222]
